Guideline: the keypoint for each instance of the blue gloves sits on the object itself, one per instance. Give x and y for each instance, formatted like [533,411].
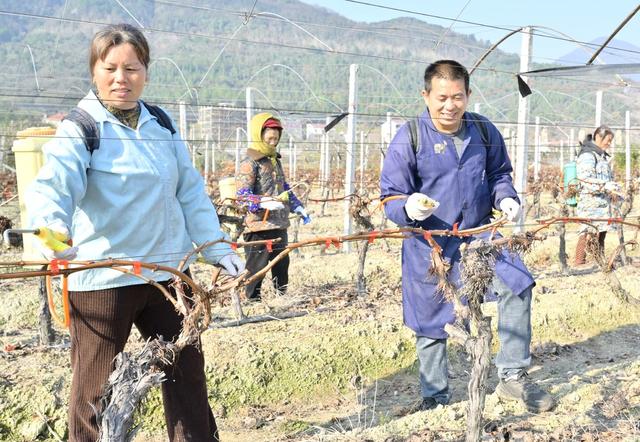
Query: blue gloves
[306,219]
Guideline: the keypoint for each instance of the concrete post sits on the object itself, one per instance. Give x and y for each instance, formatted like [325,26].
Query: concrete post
[295,161]
[536,155]
[290,156]
[523,130]
[238,144]
[598,108]
[627,148]
[213,157]
[349,157]
[361,160]
[206,157]
[249,112]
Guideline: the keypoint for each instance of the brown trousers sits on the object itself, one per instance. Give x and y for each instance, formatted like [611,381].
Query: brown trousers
[100,325]
[581,247]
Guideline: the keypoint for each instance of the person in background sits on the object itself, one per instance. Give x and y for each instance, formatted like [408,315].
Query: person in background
[263,190]
[136,197]
[468,177]
[597,189]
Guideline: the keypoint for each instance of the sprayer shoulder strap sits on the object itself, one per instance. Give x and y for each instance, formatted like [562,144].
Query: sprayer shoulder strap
[91,133]
[88,127]
[480,122]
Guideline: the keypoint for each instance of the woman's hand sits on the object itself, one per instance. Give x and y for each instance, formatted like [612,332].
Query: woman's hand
[232,263]
[271,204]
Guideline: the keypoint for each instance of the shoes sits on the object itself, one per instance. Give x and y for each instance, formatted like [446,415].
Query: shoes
[428,403]
[522,388]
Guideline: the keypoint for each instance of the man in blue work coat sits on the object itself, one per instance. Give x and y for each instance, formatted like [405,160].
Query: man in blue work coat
[460,160]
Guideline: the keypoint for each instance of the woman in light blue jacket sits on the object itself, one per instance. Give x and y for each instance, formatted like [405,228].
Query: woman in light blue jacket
[598,189]
[135,197]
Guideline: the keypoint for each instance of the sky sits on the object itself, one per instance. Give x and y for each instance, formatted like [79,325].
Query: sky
[578,19]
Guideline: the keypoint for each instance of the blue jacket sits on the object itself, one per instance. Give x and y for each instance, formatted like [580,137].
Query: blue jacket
[136,197]
[467,188]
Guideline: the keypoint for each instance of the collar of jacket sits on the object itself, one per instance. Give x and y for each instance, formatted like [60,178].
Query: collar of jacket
[255,155]
[92,104]
[590,146]
[426,116]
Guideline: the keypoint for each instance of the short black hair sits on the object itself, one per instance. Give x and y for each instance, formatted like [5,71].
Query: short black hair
[448,70]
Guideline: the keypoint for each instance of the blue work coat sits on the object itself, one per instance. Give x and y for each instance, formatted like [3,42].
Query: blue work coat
[468,188]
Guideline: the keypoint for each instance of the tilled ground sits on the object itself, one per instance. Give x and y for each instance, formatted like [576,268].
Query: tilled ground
[343,368]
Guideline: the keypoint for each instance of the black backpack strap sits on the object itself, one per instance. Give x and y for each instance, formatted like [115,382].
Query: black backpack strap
[91,133]
[88,127]
[482,126]
[479,121]
[414,134]
[163,119]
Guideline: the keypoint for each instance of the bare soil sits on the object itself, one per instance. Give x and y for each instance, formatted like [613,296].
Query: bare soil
[345,369]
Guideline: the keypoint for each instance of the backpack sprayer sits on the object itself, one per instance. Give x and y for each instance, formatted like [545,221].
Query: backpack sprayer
[56,241]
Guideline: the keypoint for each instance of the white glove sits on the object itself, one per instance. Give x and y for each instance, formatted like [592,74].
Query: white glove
[511,208]
[68,254]
[65,255]
[306,219]
[232,263]
[419,206]
[271,204]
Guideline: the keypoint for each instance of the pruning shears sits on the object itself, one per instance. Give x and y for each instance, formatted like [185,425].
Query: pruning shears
[56,241]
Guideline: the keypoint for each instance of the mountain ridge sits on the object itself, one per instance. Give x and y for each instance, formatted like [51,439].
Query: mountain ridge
[210,52]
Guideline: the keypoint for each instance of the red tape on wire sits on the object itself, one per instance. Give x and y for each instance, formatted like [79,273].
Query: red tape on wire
[55,269]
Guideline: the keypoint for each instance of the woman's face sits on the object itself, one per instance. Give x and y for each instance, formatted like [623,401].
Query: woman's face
[271,136]
[604,142]
[120,77]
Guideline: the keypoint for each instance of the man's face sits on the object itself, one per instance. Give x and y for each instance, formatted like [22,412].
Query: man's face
[446,102]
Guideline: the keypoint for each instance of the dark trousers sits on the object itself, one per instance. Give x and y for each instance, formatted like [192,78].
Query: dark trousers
[257,257]
[101,322]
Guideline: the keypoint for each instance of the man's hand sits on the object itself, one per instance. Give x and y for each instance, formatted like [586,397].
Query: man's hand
[511,208]
[271,204]
[419,206]
[232,263]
